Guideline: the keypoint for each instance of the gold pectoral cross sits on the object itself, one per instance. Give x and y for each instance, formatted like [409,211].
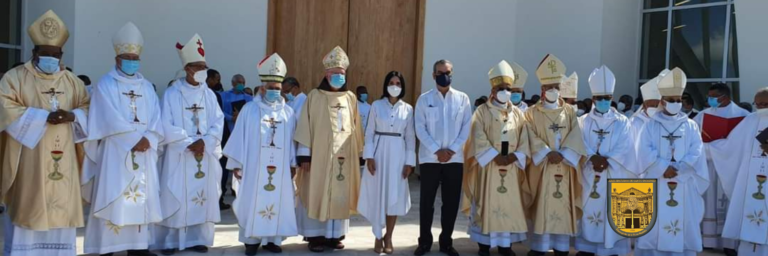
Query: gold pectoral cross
[338,108]
[272,124]
[195,119]
[53,101]
[133,96]
[555,128]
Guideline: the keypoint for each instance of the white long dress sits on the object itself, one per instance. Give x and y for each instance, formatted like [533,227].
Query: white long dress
[389,140]
[262,141]
[189,204]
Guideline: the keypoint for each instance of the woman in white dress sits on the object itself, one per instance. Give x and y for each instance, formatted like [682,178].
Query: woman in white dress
[390,153]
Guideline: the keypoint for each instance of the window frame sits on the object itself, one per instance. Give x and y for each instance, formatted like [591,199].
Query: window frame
[22,5]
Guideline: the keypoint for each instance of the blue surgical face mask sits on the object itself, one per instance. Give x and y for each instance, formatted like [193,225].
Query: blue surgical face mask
[516,98]
[129,67]
[289,97]
[239,87]
[338,80]
[603,106]
[364,97]
[713,102]
[48,65]
[272,95]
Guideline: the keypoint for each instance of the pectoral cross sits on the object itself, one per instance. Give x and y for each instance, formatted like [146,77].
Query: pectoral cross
[723,201]
[600,137]
[53,101]
[555,128]
[338,108]
[671,138]
[195,119]
[272,124]
[133,96]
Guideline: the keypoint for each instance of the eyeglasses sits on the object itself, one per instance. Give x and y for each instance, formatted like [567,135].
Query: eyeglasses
[505,89]
[674,101]
[449,73]
[603,98]
[760,105]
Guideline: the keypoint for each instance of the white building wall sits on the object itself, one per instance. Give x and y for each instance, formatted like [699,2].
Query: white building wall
[753,46]
[620,47]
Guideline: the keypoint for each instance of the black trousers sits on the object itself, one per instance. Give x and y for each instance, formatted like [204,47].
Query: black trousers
[432,176]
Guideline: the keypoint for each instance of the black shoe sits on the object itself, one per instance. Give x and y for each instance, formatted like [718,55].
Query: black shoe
[450,251]
[316,246]
[107,254]
[224,206]
[199,248]
[585,254]
[251,249]
[535,253]
[422,249]
[168,251]
[506,251]
[273,248]
[334,243]
[561,253]
[484,250]
[140,253]
[730,252]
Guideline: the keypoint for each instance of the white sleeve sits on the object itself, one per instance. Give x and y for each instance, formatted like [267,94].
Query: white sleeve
[30,127]
[80,125]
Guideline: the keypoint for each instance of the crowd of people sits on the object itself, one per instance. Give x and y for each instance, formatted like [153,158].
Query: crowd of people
[532,172]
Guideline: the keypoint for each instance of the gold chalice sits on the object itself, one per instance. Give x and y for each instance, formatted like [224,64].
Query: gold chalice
[271,170]
[759,194]
[672,186]
[502,189]
[558,179]
[594,193]
[56,155]
[340,177]
[199,174]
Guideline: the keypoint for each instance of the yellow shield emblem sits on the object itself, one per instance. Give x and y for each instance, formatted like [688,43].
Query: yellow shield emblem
[631,206]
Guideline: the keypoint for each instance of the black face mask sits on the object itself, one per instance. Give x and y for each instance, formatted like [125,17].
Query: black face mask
[443,80]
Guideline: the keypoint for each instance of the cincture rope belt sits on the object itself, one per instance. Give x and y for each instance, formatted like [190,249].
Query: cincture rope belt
[392,134]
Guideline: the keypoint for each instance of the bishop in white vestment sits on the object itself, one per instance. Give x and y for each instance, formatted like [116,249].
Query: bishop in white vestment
[745,158]
[721,182]
[673,154]
[261,152]
[193,126]
[609,156]
[518,88]
[121,170]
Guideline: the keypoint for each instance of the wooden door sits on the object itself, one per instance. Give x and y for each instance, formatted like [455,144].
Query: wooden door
[379,36]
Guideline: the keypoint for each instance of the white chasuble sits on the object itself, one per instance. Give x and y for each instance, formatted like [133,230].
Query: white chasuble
[604,135]
[261,145]
[125,184]
[674,141]
[742,156]
[189,184]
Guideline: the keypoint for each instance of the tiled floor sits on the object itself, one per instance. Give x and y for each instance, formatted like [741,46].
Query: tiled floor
[359,240]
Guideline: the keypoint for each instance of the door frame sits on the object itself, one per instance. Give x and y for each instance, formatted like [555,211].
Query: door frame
[419,40]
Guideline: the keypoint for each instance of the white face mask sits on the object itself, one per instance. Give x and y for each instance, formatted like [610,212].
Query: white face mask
[394,90]
[651,111]
[552,95]
[621,106]
[580,112]
[503,96]
[763,111]
[200,76]
[673,108]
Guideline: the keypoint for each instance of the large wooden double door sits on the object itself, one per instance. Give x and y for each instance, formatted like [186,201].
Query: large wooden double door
[379,36]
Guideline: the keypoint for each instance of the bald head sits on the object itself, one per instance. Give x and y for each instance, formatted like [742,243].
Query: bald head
[761,98]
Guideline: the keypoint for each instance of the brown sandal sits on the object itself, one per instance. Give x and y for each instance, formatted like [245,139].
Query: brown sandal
[388,248]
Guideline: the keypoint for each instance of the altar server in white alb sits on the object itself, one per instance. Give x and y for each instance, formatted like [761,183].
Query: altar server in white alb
[673,154]
[261,152]
[746,158]
[189,185]
[605,132]
[121,171]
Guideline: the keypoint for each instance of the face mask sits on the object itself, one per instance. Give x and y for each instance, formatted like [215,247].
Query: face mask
[443,80]
[687,111]
[651,111]
[503,96]
[762,111]
[239,87]
[603,106]
[621,106]
[394,90]
[364,97]
[48,65]
[516,98]
[200,76]
[673,108]
[129,67]
[552,95]
[289,97]
[713,102]
[338,80]
[272,95]
[580,112]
